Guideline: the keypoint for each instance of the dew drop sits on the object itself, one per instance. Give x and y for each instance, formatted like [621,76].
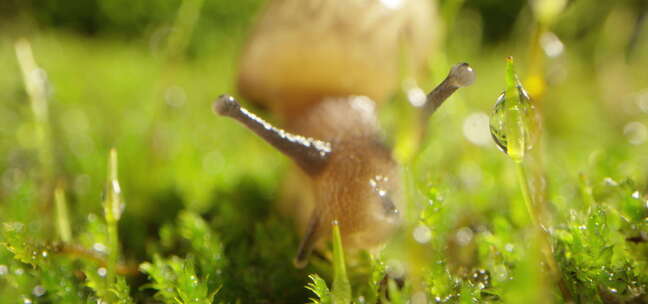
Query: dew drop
[497,124]
[38,291]
[551,45]
[3,270]
[464,236]
[27,301]
[422,234]
[500,272]
[498,121]
[102,272]
[635,195]
[482,278]
[610,182]
[395,269]
[635,132]
[99,247]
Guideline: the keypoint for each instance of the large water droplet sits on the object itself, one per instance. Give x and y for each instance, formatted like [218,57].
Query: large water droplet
[498,121]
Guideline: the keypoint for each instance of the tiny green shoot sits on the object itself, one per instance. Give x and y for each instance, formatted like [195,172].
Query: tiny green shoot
[341,292]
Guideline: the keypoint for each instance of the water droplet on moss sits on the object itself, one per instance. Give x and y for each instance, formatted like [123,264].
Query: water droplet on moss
[395,269]
[38,291]
[99,247]
[498,121]
[464,236]
[422,234]
[636,132]
[500,272]
[610,182]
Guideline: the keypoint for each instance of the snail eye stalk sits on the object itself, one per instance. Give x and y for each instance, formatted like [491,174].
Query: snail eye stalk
[309,154]
[461,75]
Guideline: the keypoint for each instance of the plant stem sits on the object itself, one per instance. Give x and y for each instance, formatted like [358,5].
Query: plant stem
[341,291]
[188,15]
[36,87]
[62,220]
[526,192]
[112,213]
[540,234]
[113,253]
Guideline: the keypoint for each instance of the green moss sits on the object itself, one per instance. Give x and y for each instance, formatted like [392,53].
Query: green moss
[201,222]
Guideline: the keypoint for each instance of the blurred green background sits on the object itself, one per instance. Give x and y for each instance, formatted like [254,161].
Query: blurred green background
[140,76]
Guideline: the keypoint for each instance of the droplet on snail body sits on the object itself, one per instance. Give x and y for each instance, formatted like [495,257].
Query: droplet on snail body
[498,121]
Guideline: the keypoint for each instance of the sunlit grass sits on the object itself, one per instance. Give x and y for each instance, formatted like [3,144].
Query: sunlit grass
[200,222]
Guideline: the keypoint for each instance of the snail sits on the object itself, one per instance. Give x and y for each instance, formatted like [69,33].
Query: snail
[323,67]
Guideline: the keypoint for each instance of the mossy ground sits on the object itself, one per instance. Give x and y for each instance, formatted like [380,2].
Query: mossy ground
[200,221]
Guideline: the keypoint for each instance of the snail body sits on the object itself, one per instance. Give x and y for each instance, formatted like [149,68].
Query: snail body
[303,51]
[324,71]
